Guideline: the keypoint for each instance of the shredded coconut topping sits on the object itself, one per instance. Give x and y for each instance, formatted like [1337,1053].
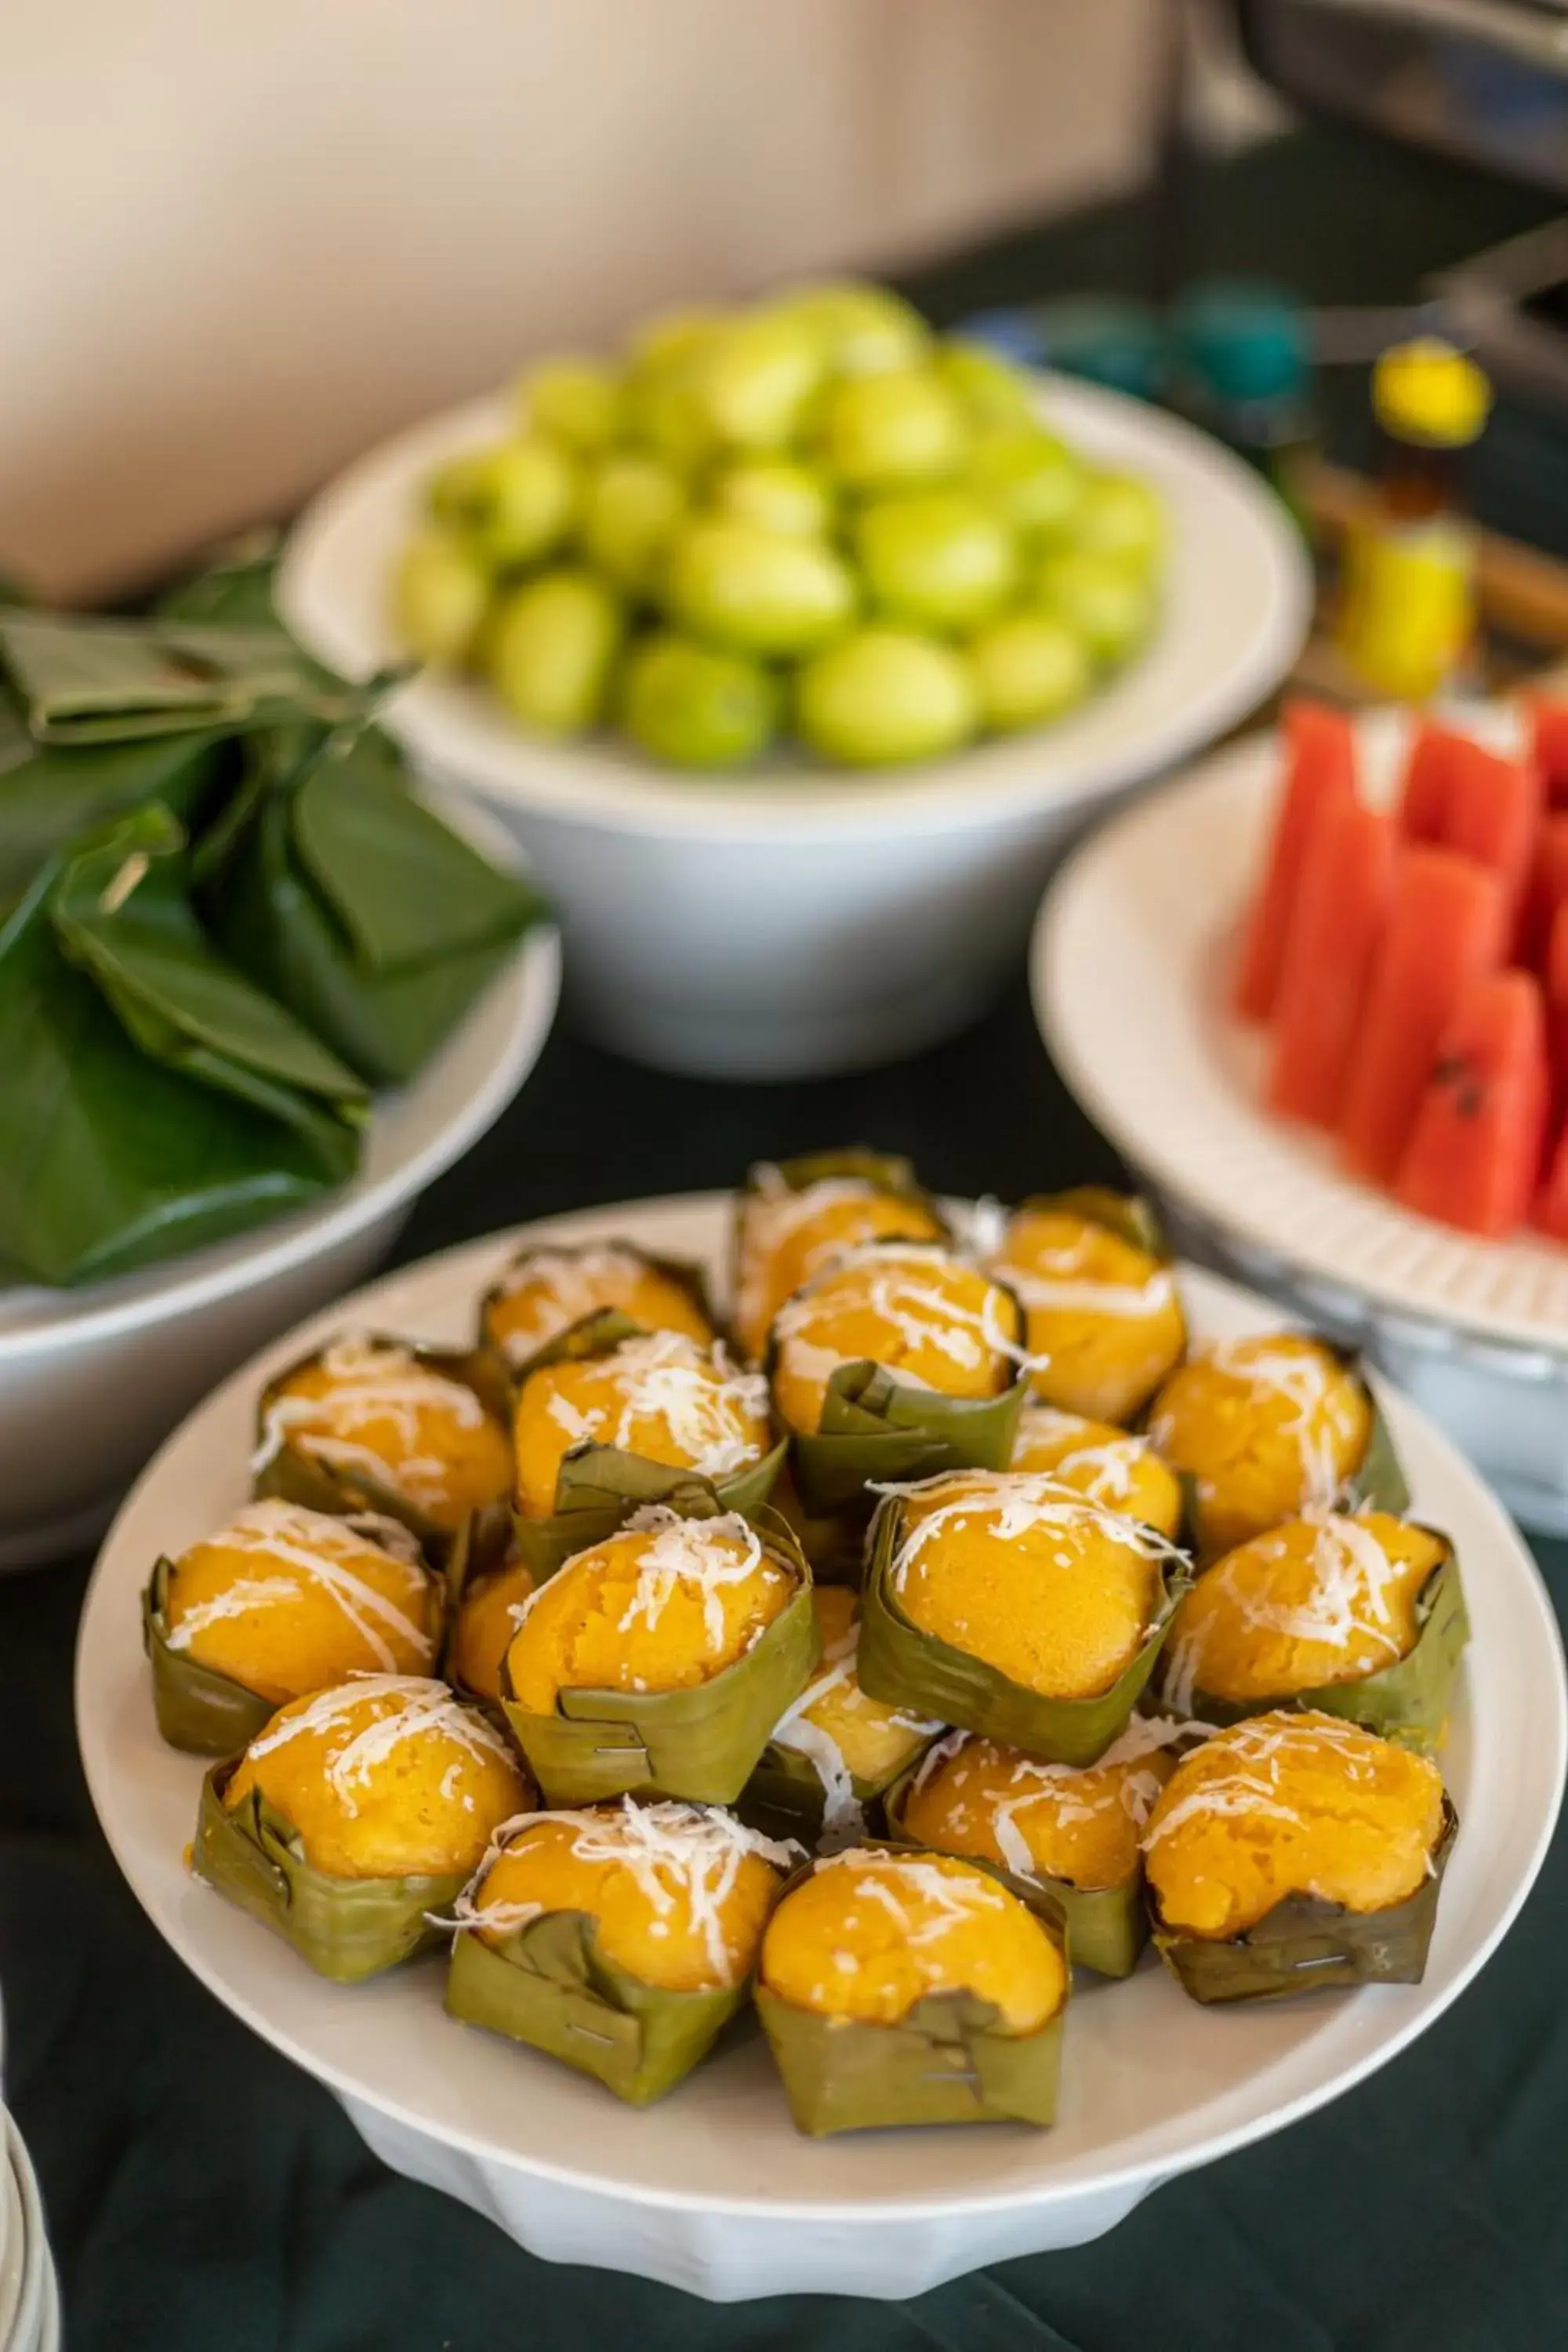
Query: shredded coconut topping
[953,1900]
[675,1852]
[373,1382]
[908,1304]
[1017,1503]
[570,1285]
[696,1554]
[843,1819]
[309,1544]
[1107,1468]
[1256,1747]
[773,1214]
[404,1707]
[1301,1380]
[697,1393]
[1065,1784]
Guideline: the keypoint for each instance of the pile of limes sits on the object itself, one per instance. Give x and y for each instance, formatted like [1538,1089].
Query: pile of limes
[812,515]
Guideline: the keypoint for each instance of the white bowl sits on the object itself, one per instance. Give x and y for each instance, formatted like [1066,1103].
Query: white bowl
[802,920]
[90,1380]
[712,2190]
[1131,962]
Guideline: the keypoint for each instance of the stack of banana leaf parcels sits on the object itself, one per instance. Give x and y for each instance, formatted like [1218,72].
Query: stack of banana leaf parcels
[226,919]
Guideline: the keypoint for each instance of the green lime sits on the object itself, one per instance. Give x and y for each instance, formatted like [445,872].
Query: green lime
[1119,515]
[1106,602]
[756,590]
[776,494]
[882,432]
[1031,478]
[674,335]
[1029,667]
[548,648]
[937,558]
[576,401]
[990,388]
[684,703]
[439,594]
[515,501]
[756,378]
[863,329]
[630,508]
[881,696]
[665,414]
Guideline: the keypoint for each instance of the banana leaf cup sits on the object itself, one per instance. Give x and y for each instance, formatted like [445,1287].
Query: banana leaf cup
[943,2063]
[598,1487]
[1304,1945]
[1407,1701]
[702,1744]
[286,1469]
[787,1797]
[1106,1927]
[346,1928]
[550,1986]
[684,1273]
[901,1662]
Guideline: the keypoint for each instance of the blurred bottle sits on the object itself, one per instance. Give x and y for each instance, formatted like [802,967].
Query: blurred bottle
[1242,369]
[1407,622]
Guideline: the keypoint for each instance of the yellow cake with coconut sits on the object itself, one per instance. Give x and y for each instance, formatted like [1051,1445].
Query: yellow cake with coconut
[1104,1318]
[1265,1427]
[787,1234]
[842,1731]
[975,1796]
[484,1628]
[658,1394]
[368,1411]
[926,1317]
[1110,1465]
[548,1290]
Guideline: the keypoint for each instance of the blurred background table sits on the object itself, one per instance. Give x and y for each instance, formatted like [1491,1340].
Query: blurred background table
[202,2194]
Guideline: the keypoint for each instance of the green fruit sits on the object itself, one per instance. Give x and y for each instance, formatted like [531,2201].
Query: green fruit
[756,589]
[576,401]
[937,558]
[665,414]
[1106,602]
[686,704]
[880,432]
[990,389]
[548,649]
[881,696]
[756,379]
[1031,478]
[777,495]
[862,329]
[1029,667]
[439,593]
[674,336]
[631,507]
[1119,515]
[515,501]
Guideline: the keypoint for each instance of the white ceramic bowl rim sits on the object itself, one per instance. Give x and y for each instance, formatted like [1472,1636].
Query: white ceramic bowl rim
[1185,688]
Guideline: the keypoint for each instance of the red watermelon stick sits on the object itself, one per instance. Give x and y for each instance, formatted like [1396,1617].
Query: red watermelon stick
[1549,724]
[1546,891]
[1424,795]
[1445,931]
[1551,1208]
[1556,980]
[1493,814]
[1319,774]
[1341,910]
[1474,1155]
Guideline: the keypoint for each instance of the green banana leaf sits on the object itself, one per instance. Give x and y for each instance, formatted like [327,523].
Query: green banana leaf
[346,1928]
[52,794]
[114,1159]
[289,1471]
[702,1744]
[89,680]
[1106,1927]
[597,1487]
[784,1797]
[944,2062]
[1305,1945]
[1407,1701]
[550,1986]
[901,1662]
[236,587]
[202,1711]
[688,1276]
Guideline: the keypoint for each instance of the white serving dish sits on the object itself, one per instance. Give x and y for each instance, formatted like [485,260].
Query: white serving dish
[36,2297]
[800,920]
[1131,957]
[90,1380]
[713,2190]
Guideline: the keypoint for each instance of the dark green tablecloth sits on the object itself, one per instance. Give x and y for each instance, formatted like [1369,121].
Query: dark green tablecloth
[203,2196]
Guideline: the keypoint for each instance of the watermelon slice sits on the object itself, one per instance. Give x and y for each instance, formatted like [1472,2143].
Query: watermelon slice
[1549,725]
[1492,813]
[1551,1208]
[1546,891]
[1319,774]
[1445,931]
[1341,909]
[1555,975]
[1424,795]
[1474,1155]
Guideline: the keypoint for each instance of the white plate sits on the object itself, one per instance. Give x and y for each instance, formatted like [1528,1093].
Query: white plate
[713,2190]
[33,2303]
[13,2246]
[1132,961]
[799,918]
[127,1357]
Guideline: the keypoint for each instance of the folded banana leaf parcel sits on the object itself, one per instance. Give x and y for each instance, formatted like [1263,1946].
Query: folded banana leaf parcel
[225,917]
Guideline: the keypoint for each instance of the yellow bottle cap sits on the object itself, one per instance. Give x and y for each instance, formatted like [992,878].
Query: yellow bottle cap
[1427,392]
